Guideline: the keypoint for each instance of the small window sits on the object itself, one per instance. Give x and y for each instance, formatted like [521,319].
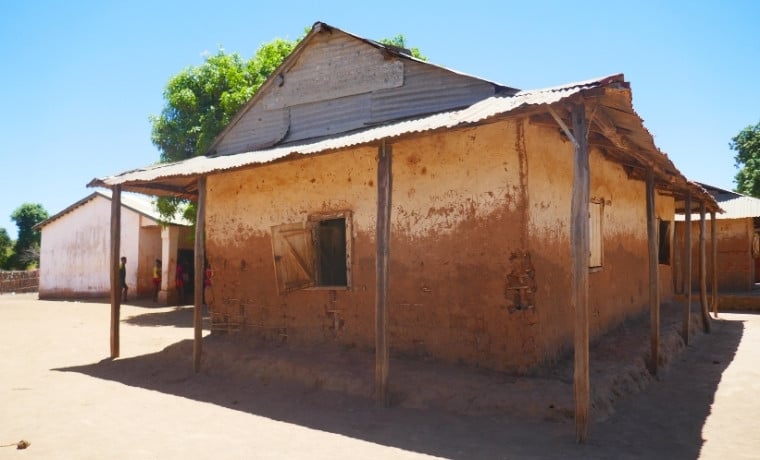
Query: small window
[313,254]
[331,241]
[595,211]
[664,242]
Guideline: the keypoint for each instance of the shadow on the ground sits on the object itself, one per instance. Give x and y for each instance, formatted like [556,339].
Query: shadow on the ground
[181,316]
[430,432]
[664,421]
[145,302]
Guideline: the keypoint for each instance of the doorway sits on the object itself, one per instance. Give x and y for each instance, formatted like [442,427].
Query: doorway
[186,260]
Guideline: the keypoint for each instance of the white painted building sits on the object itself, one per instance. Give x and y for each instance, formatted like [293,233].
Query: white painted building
[75,248]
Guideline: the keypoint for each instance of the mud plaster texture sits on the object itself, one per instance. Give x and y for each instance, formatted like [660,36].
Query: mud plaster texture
[618,369]
[736,265]
[479,248]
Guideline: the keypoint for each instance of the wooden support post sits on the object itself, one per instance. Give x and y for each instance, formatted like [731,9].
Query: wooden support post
[579,240]
[714,266]
[200,270]
[703,269]
[654,281]
[382,241]
[115,261]
[687,269]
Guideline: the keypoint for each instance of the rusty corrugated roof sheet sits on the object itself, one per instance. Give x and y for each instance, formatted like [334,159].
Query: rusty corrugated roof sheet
[490,107]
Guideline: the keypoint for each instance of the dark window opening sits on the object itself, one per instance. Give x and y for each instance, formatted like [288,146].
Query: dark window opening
[331,240]
[664,243]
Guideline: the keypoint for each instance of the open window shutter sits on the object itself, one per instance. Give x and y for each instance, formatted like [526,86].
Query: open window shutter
[595,235]
[293,250]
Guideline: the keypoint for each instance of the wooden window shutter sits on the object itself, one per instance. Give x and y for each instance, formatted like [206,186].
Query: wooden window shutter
[293,251]
[595,234]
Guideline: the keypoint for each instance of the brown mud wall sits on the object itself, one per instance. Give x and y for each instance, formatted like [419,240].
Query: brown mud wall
[479,249]
[619,288]
[735,261]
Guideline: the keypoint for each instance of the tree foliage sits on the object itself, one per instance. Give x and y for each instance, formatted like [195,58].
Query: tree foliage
[399,41]
[27,247]
[6,248]
[201,100]
[747,147]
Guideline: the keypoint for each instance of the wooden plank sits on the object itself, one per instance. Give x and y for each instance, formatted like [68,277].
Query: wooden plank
[687,271]
[714,266]
[382,241]
[579,240]
[293,251]
[200,270]
[654,282]
[115,260]
[704,309]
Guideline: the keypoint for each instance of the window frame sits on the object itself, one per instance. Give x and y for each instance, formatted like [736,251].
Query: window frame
[314,220]
[295,251]
[595,204]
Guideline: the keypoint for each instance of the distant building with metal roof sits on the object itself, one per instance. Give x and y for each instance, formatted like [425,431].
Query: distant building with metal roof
[737,236]
[138,203]
[74,255]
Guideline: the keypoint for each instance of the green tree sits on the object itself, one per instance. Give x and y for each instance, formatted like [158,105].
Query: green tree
[399,41]
[747,147]
[201,100]
[26,251]
[6,248]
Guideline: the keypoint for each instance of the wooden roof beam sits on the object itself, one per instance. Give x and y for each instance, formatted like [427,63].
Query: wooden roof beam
[607,127]
[189,191]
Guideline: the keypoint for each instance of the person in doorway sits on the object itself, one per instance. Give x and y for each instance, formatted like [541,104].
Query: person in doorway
[156,279]
[179,283]
[207,274]
[123,278]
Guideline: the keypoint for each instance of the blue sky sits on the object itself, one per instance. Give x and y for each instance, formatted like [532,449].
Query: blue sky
[79,79]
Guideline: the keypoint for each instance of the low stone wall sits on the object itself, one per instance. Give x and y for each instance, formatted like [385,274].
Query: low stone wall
[19,281]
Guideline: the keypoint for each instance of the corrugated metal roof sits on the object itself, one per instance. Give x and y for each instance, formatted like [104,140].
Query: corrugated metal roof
[735,206]
[490,107]
[742,206]
[179,179]
[294,56]
[139,204]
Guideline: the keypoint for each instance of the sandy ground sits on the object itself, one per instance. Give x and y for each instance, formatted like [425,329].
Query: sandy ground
[60,392]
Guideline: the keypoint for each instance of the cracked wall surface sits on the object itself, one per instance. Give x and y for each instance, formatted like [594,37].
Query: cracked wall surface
[479,255]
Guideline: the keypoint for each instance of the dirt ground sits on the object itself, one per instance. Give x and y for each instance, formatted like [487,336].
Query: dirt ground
[61,393]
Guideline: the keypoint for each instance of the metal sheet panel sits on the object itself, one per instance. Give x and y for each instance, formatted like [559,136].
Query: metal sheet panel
[335,66]
[140,204]
[327,118]
[739,207]
[493,106]
[257,129]
[427,90]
